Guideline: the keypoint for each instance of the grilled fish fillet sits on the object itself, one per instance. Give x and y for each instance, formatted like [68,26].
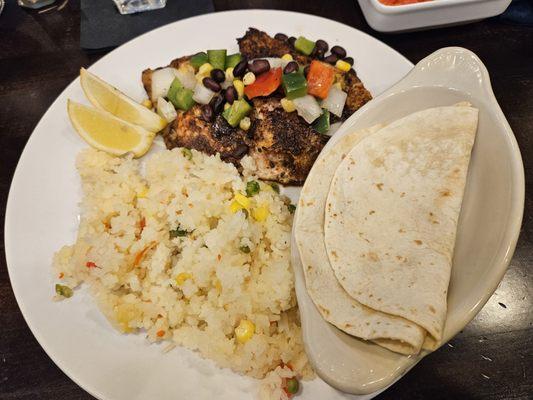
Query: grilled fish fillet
[283,146]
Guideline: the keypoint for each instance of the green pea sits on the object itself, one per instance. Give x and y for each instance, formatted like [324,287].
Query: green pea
[252,188]
[292,385]
[64,291]
[187,153]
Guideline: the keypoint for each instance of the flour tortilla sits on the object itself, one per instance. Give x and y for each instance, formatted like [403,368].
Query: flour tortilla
[392,211]
[332,301]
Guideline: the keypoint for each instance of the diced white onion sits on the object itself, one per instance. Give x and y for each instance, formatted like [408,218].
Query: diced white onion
[274,62]
[307,108]
[161,81]
[335,101]
[202,94]
[187,78]
[166,110]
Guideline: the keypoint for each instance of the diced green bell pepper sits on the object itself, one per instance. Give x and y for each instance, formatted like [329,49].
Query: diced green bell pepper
[321,125]
[217,58]
[294,85]
[304,45]
[232,60]
[179,96]
[236,112]
[173,89]
[198,60]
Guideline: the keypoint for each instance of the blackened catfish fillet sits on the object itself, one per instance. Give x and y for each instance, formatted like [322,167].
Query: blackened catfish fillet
[284,145]
[257,44]
[191,131]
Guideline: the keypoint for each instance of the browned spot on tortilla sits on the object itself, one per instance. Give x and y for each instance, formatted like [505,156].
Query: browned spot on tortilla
[324,310]
[309,267]
[418,242]
[407,326]
[371,212]
[379,299]
[378,323]
[367,323]
[379,186]
[352,161]
[363,255]
[343,156]
[370,296]
[348,326]
[432,309]
[329,206]
[373,256]
[445,193]
[351,178]
[401,230]
[399,258]
[310,203]
[334,215]
[431,214]
[334,254]
[434,222]
[377,162]
[402,194]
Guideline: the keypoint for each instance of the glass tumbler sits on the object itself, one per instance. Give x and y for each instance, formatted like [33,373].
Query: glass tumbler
[134,6]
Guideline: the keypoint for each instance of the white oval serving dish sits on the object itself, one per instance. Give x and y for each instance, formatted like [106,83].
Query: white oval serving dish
[430,14]
[488,229]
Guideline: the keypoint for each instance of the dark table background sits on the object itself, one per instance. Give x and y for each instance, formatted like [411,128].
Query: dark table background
[491,359]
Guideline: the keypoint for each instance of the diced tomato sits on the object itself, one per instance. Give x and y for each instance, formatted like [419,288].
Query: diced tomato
[320,79]
[264,84]
[90,264]
[160,333]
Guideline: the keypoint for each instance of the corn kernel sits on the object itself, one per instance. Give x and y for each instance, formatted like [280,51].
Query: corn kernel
[260,213]
[147,103]
[229,74]
[239,87]
[287,105]
[218,285]
[337,85]
[205,69]
[182,277]
[248,78]
[226,106]
[245,123]
[244,331]
[242,200]
[286,57]
[142,193]
[343,65]
[234,207]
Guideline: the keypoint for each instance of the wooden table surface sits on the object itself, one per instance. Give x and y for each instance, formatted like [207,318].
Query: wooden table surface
[491,359]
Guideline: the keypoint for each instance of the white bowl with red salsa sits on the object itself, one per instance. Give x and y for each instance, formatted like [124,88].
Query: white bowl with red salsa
[406,15]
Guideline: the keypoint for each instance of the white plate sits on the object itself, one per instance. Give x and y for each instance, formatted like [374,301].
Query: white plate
[42,216]
[488,227]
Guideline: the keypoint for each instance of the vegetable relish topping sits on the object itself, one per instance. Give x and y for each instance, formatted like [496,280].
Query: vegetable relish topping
[225,83]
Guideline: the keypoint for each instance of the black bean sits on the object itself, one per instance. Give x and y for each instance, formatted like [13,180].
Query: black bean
[259,66]
[210,83]
[349,60]
[318,54]
[321,45]
[338,51]
[291,67]
[207,113]
[240,69]
[231,94]
[281,36]
[306,70]
[292,40]
[331,59]
[218,75]
[217,103]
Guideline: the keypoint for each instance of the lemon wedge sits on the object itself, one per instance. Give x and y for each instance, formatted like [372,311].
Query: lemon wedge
[105,132]
[105,97]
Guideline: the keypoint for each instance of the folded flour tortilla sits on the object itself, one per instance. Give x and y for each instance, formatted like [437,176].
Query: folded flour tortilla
[391,216]
[332,301]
